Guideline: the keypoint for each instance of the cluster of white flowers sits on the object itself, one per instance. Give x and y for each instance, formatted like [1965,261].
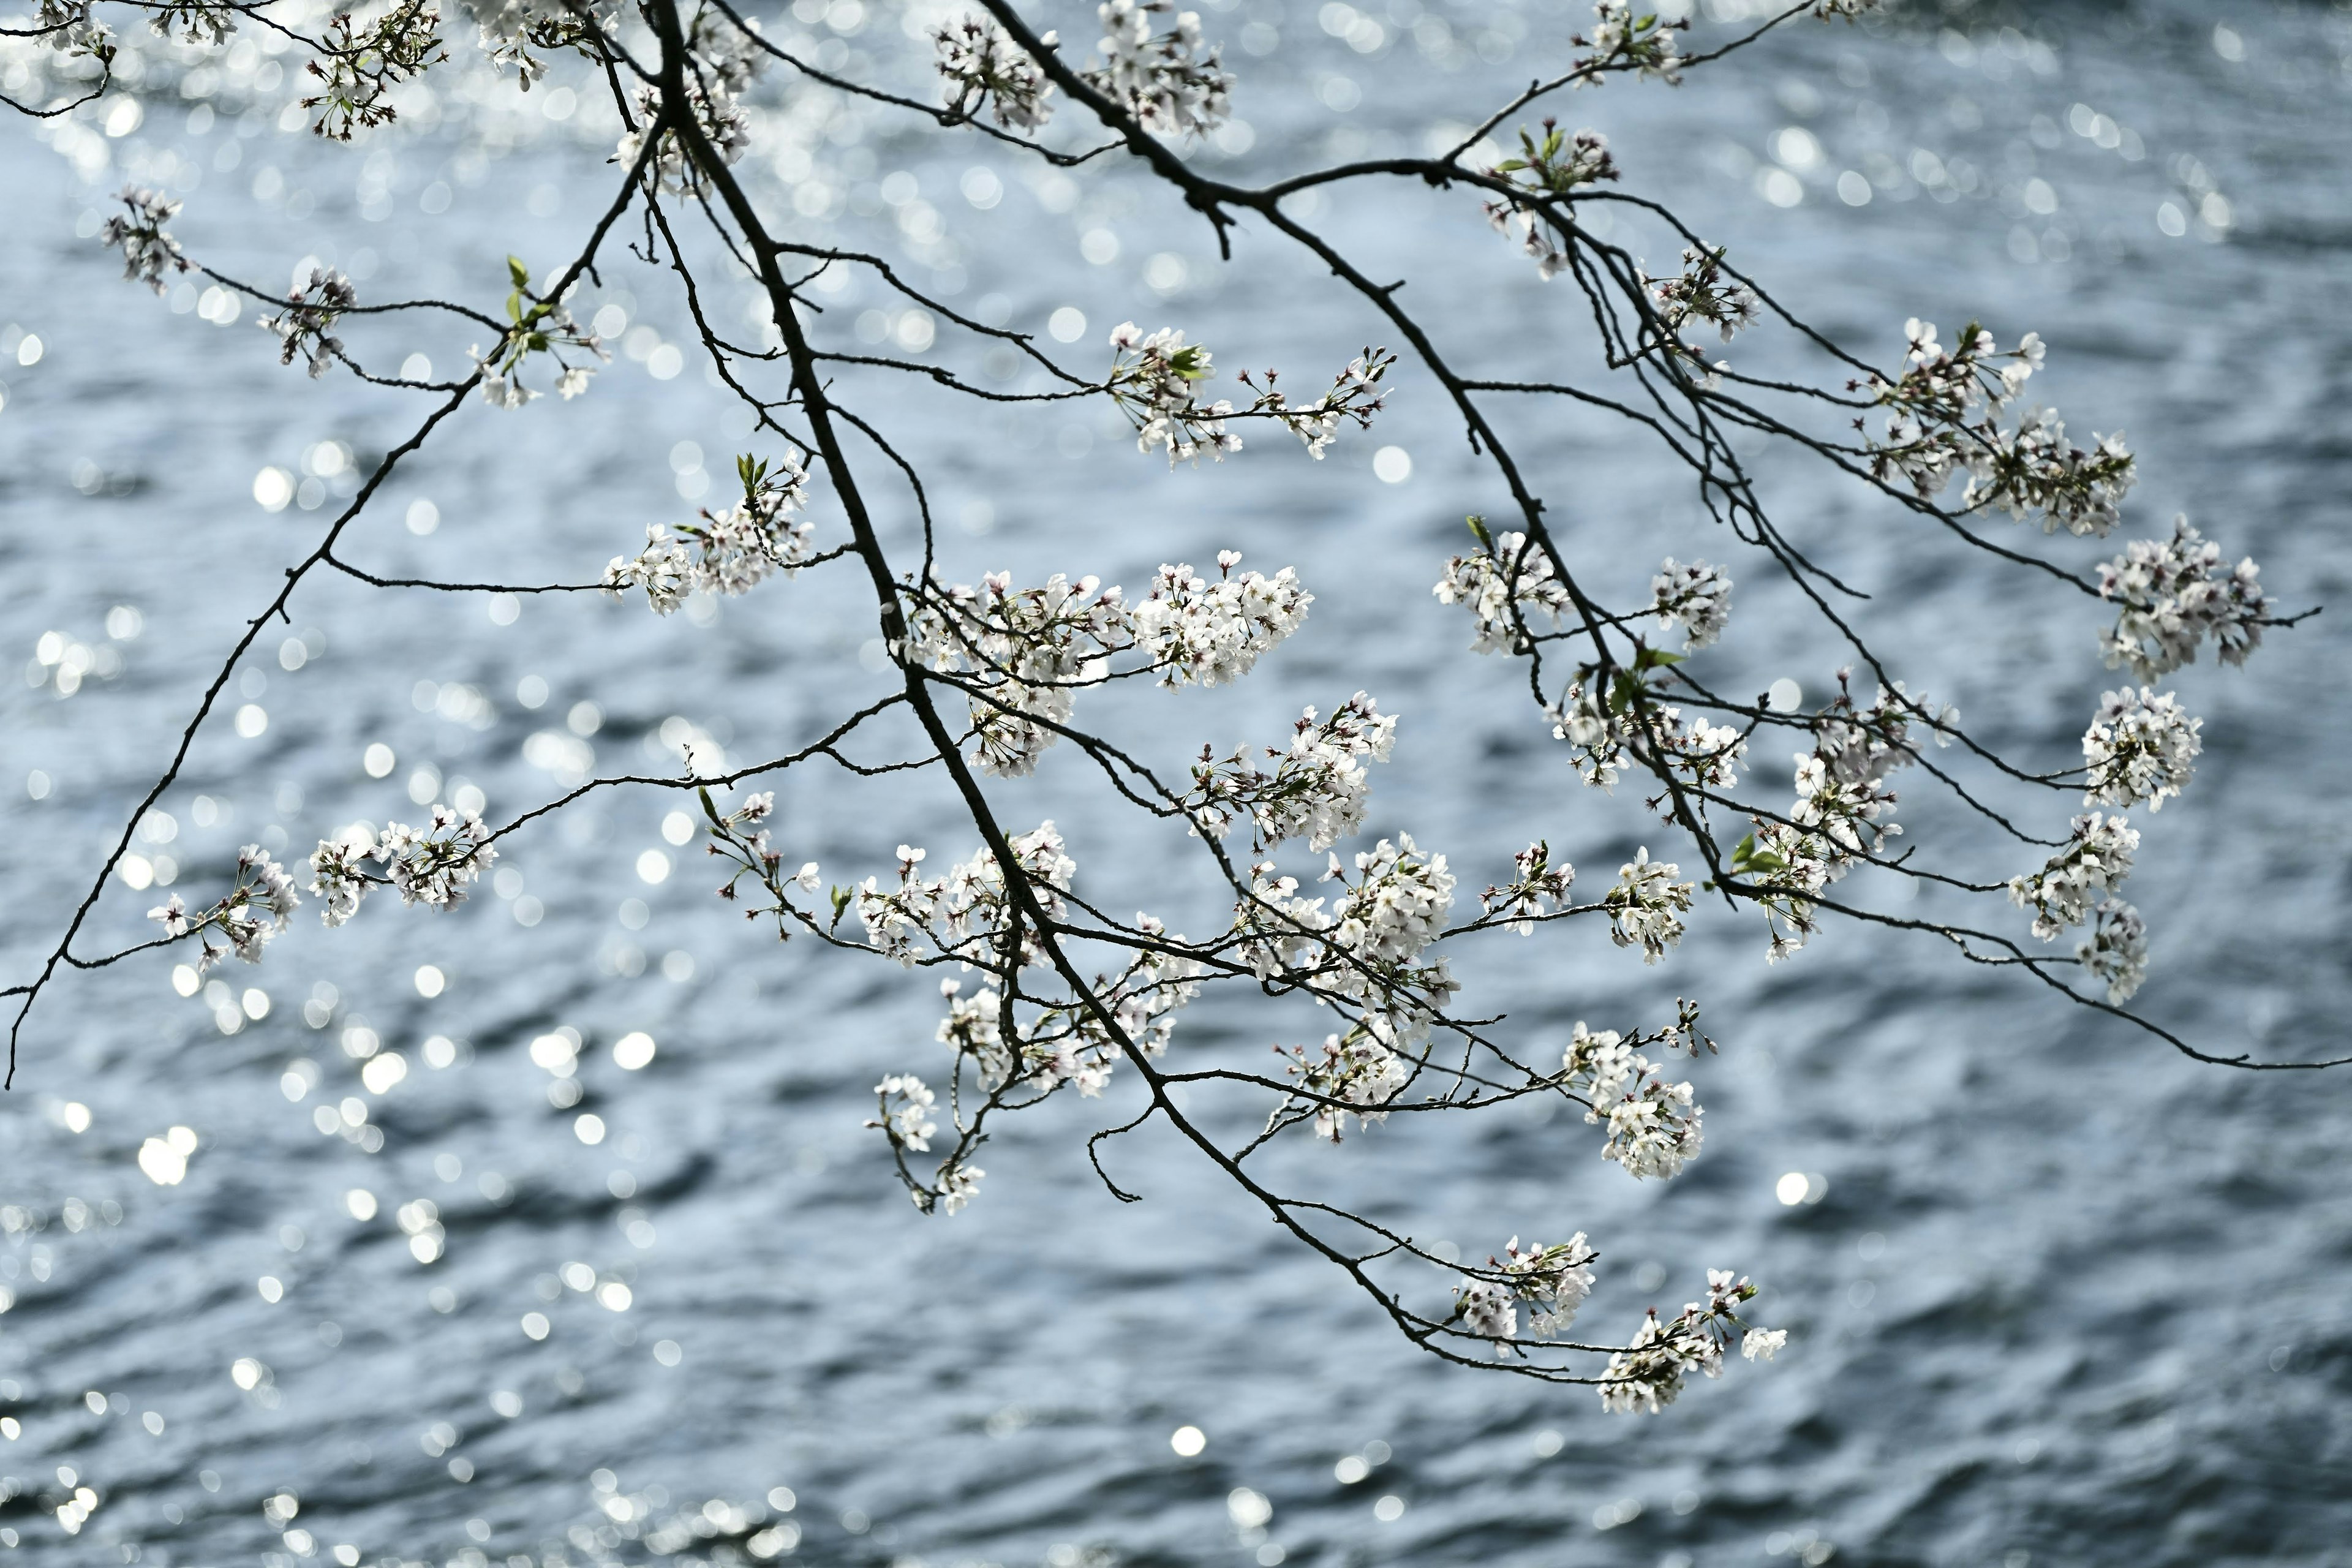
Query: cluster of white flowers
[980,61]
[727,552]
[305,325]
[1646,907]
[1025,652]
[69,28]
[1507,572]
[739,837]
[908,1118]
[1152,380]
[1203,633]
[1537,884]
[961,913]
[1318,787]
[907,1104]
[1545,170]
[1943,417]
[150,256]
[2141,748]
[721,61]
[1366,949]
[1841,805]
[1597,735]
[252,912]
[1162,79]
[1625,38]
[430,865]
[2034,468]
[2116,949]
[509,30]
[1654,1126]
[2174,591]
[541,326]
[2095,860]
[1355,395]
[1697,597]
[1648,1374]
[1355,1076]
[1700,292]
[435,864]
[1554,1281]
[1396,906]
[1608,723]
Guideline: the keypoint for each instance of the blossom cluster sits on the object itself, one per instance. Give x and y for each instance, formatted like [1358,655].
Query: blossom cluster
[2140,749]
[1538,883]
[1697,598]
[1626,38]
[1654,1126]
[1506,579]
[432,865]
[1025,653]
[722,60]
[1943,417]
[727,552]
[1648,1374]
[538,326]
[1553,1280]
[2175,593]
[1611,720]
[1700,292]
[2097,859]
[2116,949]
[1545,170]
[1152,379]
[359,66]
[1204,633]
[1353,1077]
[980,63]
[150,256]
[1317,788]
[1366,948]
[1843,805]
[1355,395]
[1164,79]
[1646,906]
[306,324]
[254,911]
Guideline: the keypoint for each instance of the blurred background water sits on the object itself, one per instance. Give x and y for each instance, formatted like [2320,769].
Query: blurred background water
[2056,1295]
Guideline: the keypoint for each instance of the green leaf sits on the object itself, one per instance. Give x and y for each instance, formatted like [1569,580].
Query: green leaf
[518,272]
[1479,532]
